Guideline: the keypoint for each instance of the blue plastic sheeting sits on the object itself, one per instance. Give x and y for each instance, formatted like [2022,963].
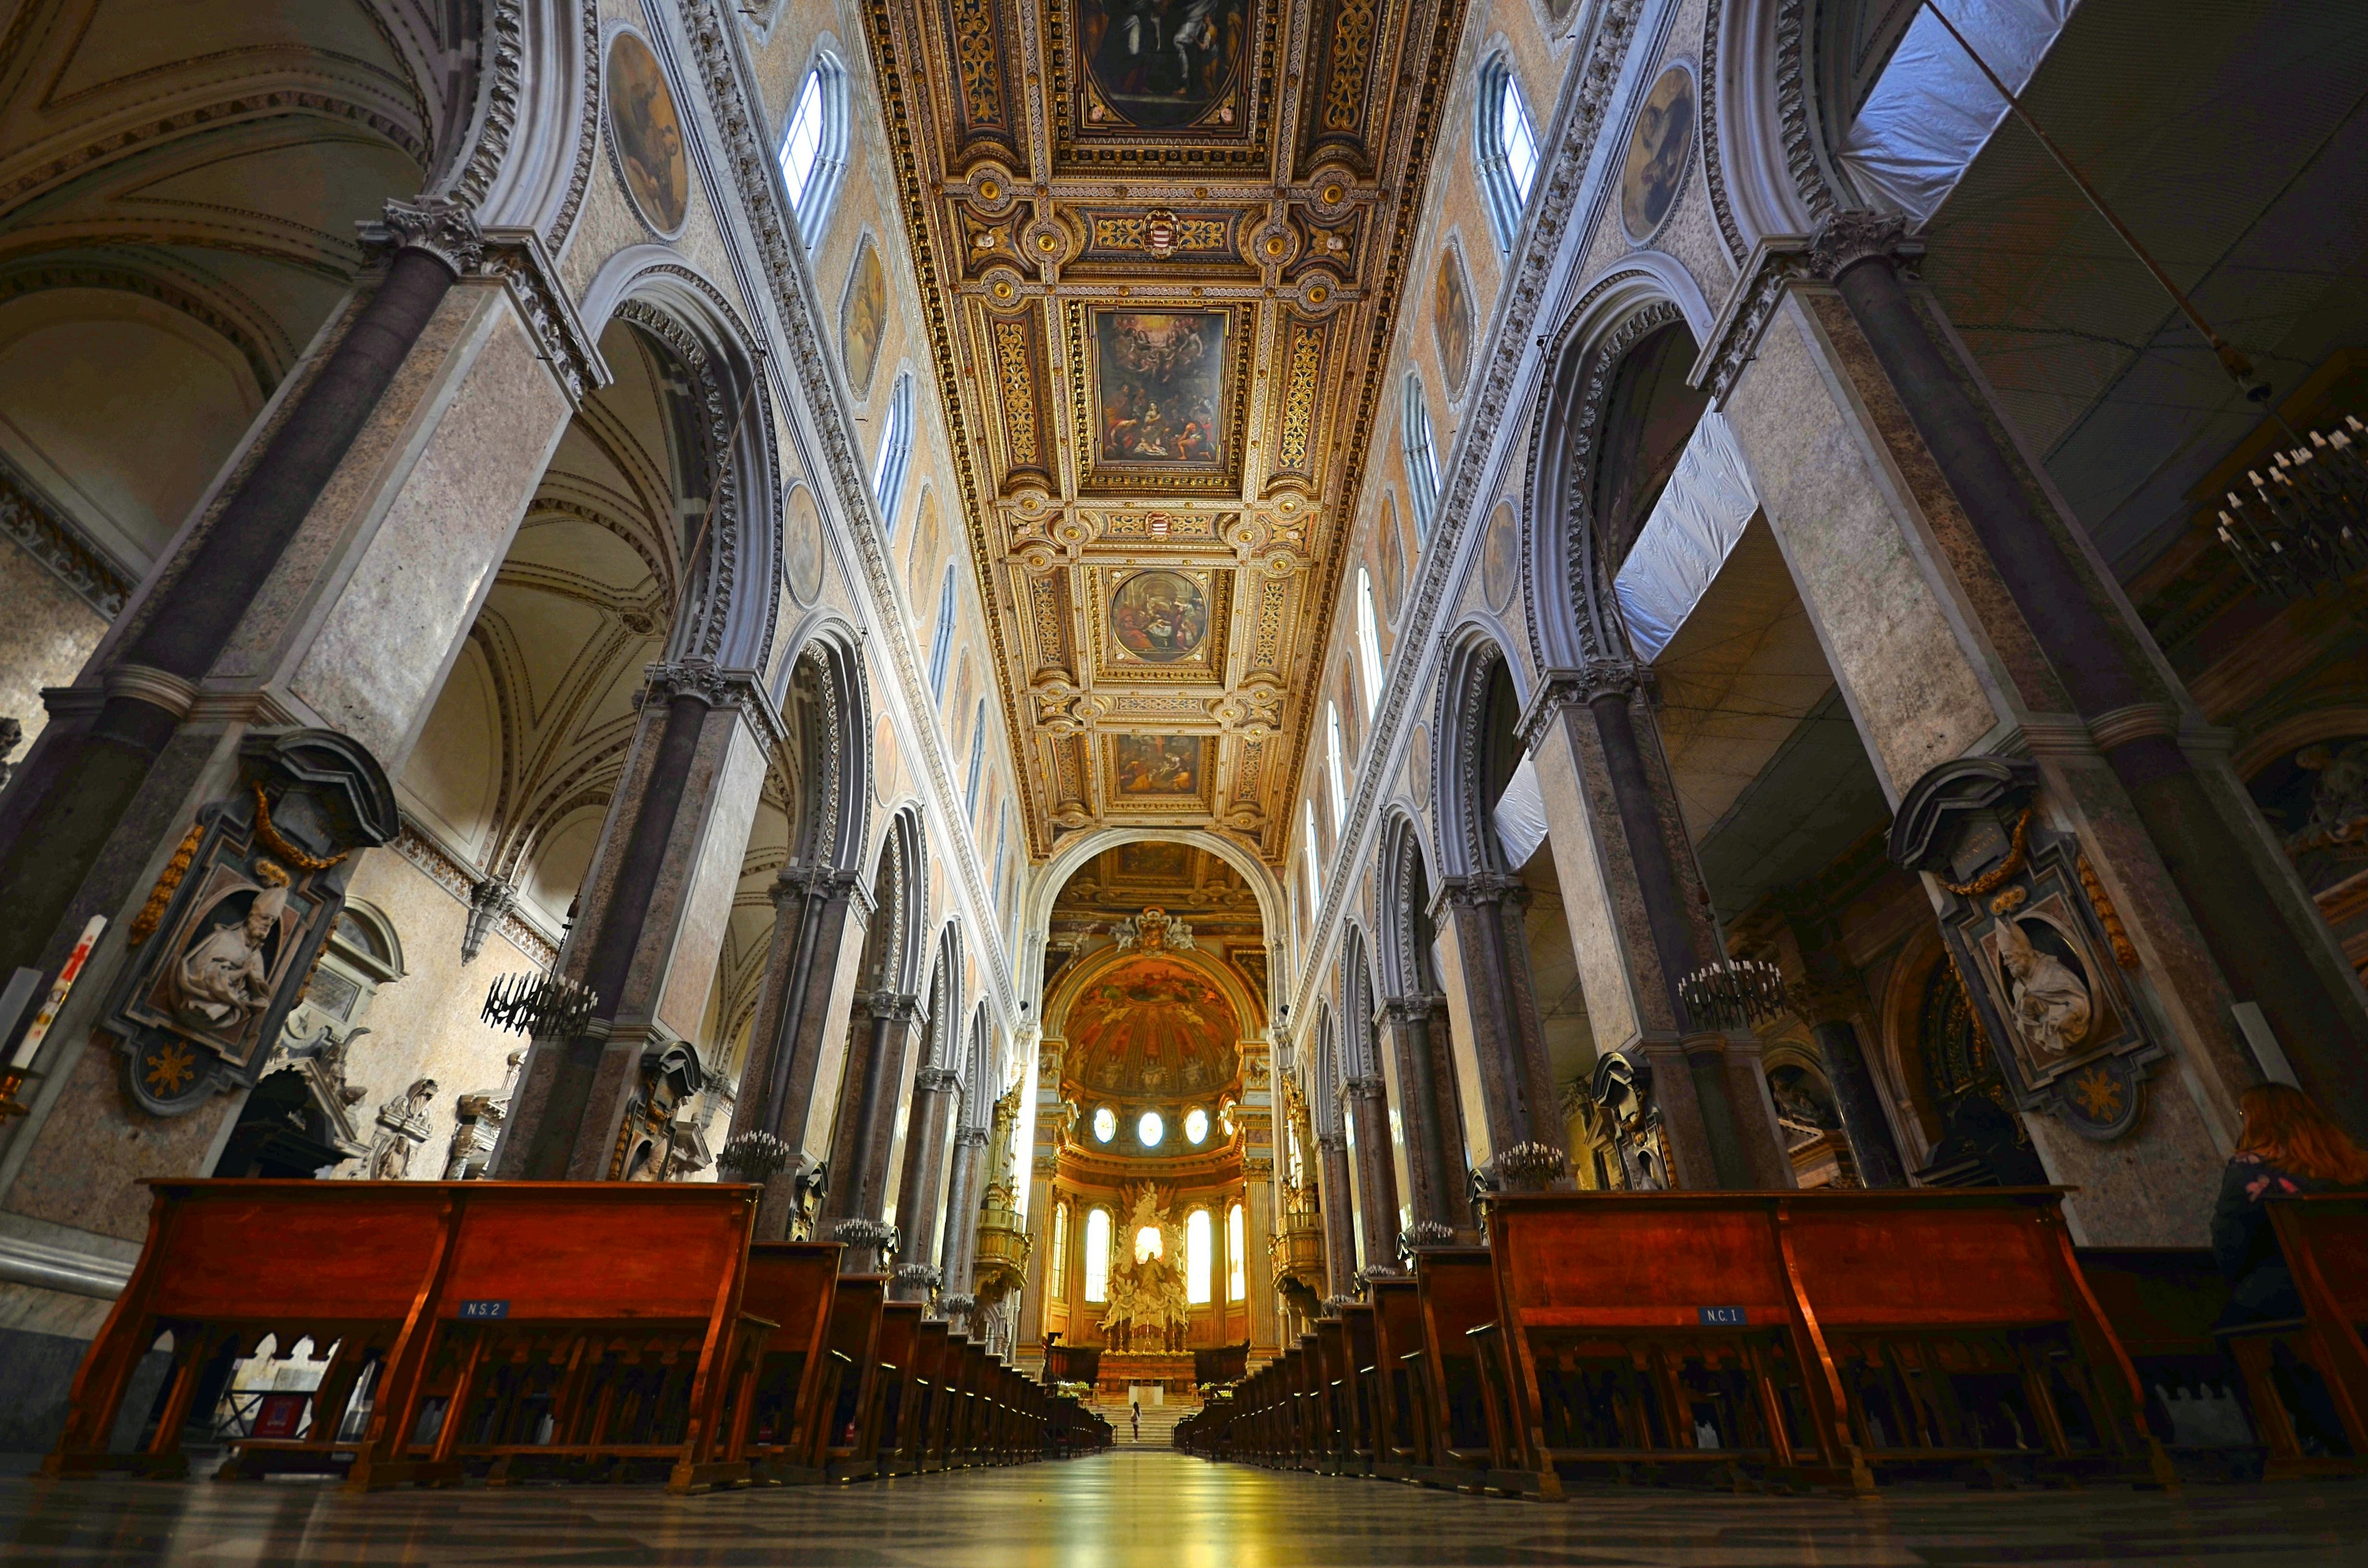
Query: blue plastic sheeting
[1932,109]
[1686,541]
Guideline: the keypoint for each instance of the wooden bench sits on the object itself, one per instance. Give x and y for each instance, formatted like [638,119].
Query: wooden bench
[2165,1305]
[1397,1365]
[2310,1378]
[780,1426]
[489,1319]
[849,1447]
[1812,1337]
[1467,1425]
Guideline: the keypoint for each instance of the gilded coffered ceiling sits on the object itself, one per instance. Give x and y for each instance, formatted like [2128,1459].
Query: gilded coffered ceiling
[1160,244]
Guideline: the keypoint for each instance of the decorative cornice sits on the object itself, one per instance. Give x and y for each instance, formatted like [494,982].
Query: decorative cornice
[158,688]
[43,530]
[520,259]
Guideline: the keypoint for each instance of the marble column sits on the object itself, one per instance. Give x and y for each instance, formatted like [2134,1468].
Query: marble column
[857,1206]
[1340,1228]
[1368,1106]
[963,1194]
[1482,912]
[246,627]
[922,1191]
[1826,1000]
[2243,906]
[1640,918]
[1417,1026]
[818,912]
[642,884]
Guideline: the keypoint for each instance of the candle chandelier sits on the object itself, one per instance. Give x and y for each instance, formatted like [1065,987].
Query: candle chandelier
[1733,994]
[2301,523]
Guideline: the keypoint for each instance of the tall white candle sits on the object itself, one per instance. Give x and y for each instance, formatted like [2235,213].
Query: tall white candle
[31,1046]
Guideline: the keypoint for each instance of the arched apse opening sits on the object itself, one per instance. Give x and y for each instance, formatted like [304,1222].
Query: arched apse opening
[1044,890]
[887,1007]
[1419,1039]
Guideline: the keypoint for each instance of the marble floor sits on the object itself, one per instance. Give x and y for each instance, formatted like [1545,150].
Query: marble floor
[1148,1508]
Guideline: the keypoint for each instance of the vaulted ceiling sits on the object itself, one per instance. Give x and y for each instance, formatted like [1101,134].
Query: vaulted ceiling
[1160,244]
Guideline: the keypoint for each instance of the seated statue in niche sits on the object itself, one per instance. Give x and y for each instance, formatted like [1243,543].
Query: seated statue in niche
[224,979]
[2050,1003]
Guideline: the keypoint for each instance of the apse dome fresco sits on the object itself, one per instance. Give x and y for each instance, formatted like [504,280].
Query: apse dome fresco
[1153,1028]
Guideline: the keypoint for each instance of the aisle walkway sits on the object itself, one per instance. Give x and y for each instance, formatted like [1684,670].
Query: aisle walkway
[1161,1510]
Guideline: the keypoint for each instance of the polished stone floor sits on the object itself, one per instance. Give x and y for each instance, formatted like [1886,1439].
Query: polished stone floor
[1150,1508]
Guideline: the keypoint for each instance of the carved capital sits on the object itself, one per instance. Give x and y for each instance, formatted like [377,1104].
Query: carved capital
[1408,1010]
[1848,238]
[1474,890]
[936,1080]
[970,1137]
[893,1006]
[1366,1088]
[445,229]
[694,678]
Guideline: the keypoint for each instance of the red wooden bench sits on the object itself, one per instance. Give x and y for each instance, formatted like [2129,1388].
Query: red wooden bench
[1812,1337]
[1397,1363]
[491,1318]
[779,1428]
[1467,1425]
[2315,1373]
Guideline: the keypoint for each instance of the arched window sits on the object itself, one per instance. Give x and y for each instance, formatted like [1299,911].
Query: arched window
[942,645]
[1508,149]
[1237,1277]
[895,453]
[1368,642]
[1333,767]
[814,153]
[1098,1250]
[1057,1277]
[1198,1263]
[1422,460]
[977,756]
[1315,886]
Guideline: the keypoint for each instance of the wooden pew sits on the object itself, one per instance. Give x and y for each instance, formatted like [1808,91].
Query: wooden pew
[893,1395]
[1811,1336]
[482,1311]
[779,1428]
[1362,1385]
[1333,1382]
[2165,1305]
[1467,1425]
[1397,1362]
[929,1362]
[2323,1372]
[848,1450]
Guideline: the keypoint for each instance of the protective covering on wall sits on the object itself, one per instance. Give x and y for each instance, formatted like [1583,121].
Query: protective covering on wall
[1520,814]
[1932,109]
[1684,543]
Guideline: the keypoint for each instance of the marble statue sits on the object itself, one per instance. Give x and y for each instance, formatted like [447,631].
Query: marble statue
[222,982]
[2050,1003]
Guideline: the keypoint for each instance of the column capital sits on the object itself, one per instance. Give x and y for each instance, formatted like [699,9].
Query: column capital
[1777,265]
[1471,890]
[891,1005]
[967,1137]
[445,229]
[936,1080]
[1563,688]
[1368,1087]
[1419,1009]
[699,678]
[1332,1143]
[1847,238]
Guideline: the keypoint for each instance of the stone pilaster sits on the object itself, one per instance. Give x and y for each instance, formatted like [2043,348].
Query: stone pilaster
[1417,1027]
[922,1191]
[1368,1108]
[1482,912]
[961,1210]
[878,1035]
[1339,1233]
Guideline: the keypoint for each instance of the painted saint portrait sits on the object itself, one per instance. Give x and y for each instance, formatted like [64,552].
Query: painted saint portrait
[1159,615]
[1159,377]
[1159,767]
[1393,562]
[864,318]
[1154,862]
[1157,64]
[1497,568]
[1451,320]
[802,547]
[1657,153]
[920,583]
[647,134]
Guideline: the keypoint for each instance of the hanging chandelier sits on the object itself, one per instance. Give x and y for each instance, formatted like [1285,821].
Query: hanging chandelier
[1733,994]
[2302,525]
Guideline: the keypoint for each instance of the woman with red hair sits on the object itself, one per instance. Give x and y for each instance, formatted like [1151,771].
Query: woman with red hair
[2288,1146]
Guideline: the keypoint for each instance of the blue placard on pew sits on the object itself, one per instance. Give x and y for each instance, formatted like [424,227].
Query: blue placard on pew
[1724,1317]
[499,1309]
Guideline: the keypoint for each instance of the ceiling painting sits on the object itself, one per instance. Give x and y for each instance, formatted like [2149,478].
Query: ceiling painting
[1152,1026]
[1161,245]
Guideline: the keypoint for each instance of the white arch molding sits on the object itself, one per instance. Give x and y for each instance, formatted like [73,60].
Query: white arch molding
[1044,890]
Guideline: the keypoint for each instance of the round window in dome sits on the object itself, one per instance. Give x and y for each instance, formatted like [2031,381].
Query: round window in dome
[1151,1130]
[1196,1125]
[1105,1124]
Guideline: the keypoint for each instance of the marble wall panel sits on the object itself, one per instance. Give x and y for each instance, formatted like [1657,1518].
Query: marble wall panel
[45,638]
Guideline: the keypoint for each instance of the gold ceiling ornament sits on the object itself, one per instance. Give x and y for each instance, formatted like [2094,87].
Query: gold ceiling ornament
[1161,393]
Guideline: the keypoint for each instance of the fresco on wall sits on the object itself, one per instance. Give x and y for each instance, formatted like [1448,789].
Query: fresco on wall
[863,319]
[647,134]
[1393,562]
[2316,797]
[802,548]
[1451,320]
[1159,767]
[1152,1025]
[919,587]
[1657,153]
[1157,64]
[1159,615]
[1158,377]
